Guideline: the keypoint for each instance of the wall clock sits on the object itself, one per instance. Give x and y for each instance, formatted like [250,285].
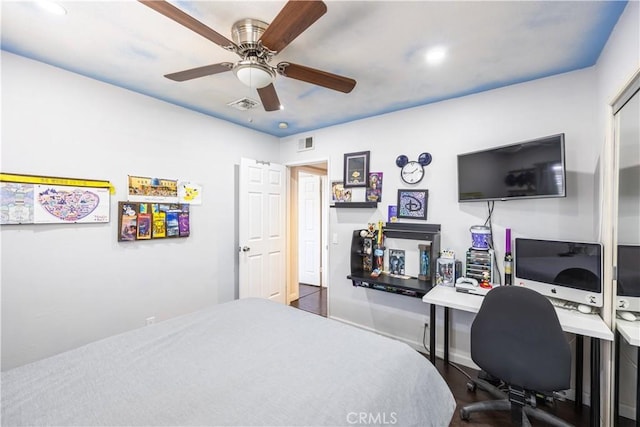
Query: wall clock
[412,171]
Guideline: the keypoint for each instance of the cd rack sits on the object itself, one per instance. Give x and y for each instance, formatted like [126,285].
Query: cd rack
[477,262]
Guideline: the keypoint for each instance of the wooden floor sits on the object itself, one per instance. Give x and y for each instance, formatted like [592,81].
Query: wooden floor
[314,299]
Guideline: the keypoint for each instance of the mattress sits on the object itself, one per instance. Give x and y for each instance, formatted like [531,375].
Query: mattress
[249,362]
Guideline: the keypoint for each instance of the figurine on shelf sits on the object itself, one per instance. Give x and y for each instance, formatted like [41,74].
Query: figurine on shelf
[372,228]
[485,283]
[378,256]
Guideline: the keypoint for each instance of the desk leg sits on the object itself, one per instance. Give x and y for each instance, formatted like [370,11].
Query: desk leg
[578,373]
[446,335]
[432,333]
[595,382]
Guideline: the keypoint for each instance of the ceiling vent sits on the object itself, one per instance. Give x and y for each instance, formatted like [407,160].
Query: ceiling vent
[305,144]
[244,104]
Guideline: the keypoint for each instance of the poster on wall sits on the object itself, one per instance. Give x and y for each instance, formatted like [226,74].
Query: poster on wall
[38,199]
[16,203]
[157,190]
[189,193]
[67,204]
[374,190]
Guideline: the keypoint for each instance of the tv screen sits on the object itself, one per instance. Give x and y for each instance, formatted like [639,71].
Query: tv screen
[571,271]
[529,169]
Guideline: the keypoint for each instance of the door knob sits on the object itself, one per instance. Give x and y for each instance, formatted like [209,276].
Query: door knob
[246,249]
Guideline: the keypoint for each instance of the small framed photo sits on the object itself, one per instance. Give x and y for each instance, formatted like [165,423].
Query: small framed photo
[445,274]
[412,204]
[356,169]
[338,193]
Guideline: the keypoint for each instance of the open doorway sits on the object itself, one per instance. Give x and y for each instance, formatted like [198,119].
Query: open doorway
[308,221]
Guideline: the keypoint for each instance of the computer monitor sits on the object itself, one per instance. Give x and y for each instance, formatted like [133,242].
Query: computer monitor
[570,271]
[628,292]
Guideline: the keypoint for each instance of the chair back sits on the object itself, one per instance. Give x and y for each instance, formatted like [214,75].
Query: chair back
[516,336]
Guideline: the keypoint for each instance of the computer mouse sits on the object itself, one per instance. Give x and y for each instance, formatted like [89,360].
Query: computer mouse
[586,309]
[626,315]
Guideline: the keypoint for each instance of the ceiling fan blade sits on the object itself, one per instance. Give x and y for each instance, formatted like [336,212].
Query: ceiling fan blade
[269,98]
[316,77]
[172,12]
[194,73]
[293,19]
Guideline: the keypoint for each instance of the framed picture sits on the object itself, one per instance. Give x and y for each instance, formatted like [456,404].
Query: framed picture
[356,169]
[374,189]
[338,193]
[412,204]
[445,274]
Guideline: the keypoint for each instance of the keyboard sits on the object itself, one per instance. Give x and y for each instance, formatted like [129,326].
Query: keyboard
[569,305]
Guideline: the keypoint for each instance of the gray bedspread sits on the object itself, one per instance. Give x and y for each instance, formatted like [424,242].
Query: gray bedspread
[242,363]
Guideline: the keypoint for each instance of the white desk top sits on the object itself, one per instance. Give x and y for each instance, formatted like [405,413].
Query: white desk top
[590,325]
[629,330]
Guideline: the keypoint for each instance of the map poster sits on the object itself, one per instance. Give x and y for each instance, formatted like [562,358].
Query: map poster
[67,204]
[16,203]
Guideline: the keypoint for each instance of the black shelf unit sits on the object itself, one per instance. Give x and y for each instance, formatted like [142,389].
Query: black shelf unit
[355,205]
[425,234]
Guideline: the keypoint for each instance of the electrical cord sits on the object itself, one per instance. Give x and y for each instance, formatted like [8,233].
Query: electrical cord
[461,370]
[424,337]
[424,344]
[488,222]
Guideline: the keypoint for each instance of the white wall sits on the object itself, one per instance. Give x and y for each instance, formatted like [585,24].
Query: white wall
[564,103]
[66,285]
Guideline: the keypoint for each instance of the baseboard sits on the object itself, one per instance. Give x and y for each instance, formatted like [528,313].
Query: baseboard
[414,344]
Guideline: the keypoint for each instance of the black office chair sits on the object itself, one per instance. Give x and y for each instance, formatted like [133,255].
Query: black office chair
[516,337]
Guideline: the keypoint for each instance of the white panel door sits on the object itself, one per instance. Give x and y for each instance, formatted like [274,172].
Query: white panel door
[309,229]
[262,230]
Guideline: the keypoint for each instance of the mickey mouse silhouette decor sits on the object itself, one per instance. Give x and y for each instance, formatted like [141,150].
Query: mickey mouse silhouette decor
[412,171]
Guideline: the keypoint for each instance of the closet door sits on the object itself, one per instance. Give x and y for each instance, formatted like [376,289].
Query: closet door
[626,246]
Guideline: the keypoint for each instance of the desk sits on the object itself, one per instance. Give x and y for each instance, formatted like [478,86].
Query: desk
[583,325]
[630,331]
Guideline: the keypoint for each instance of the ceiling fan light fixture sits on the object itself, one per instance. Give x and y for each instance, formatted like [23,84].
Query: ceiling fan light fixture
[254,74]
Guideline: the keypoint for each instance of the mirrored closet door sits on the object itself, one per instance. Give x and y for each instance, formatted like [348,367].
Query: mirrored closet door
[626,255]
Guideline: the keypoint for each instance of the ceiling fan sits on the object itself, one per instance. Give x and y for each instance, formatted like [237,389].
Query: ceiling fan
[257,42]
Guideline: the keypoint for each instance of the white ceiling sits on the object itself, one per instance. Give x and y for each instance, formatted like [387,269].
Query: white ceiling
[380,44]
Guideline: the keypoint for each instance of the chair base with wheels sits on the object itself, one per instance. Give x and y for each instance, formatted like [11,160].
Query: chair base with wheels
[520,402]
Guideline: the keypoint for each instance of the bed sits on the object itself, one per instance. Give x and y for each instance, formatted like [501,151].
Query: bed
[248,362]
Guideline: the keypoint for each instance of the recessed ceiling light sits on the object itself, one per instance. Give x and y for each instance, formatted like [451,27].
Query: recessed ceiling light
[436,55]
[52,7]
[283,125]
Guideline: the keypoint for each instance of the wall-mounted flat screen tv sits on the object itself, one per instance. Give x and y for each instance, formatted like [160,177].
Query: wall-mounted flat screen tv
[526,170]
